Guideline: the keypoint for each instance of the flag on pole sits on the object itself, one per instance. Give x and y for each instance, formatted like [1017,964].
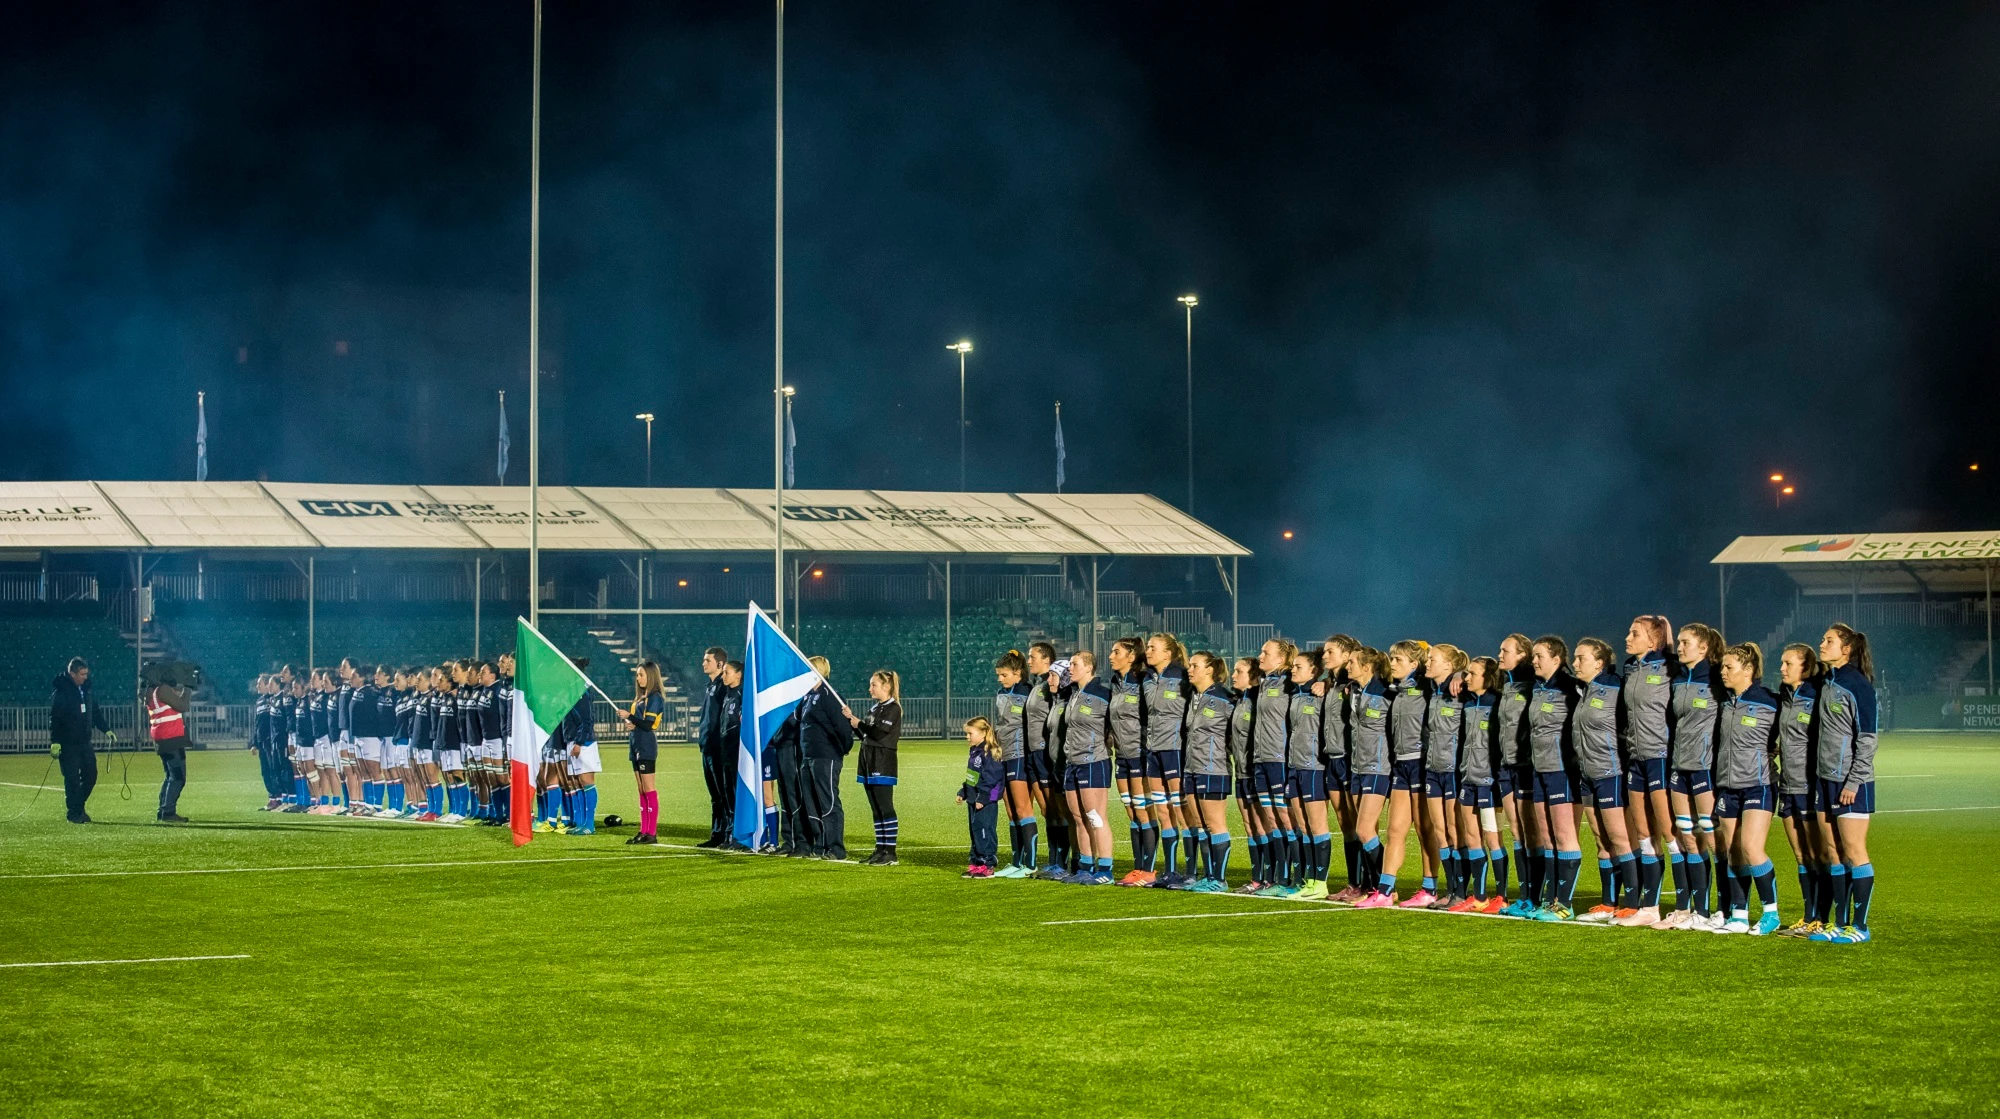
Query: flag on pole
[791,444]
[201,437]
[775,677]
[503,437]
[1060,454]
[546,686]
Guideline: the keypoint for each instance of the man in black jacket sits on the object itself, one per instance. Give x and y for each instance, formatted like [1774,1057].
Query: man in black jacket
[721,797]
[825,737]
[73,712]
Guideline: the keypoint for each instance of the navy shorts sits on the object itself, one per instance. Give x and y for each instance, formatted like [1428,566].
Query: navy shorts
[1689,782]
[1163,765]
[1267,778]
[1369,784]
[1407,774]
[1551,788]
[1338,774]
[1016,768]
[1210,786]
[647,763]
[1129,769]
[1305,784]
[1827,800]
[1732,803]
[1090,775]
[1039,770]
[1796,806]
[1475,796]
[1645,775]
[1440,786]
[1607,793]
[769,758]
[1504,781]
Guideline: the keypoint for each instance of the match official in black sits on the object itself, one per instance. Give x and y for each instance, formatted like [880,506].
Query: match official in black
[709,737]
[73,713]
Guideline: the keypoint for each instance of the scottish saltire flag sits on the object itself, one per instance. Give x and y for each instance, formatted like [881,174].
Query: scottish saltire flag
[546,686]
[201,437]
[1060,454]
[775,677]
[503,437]
[791,448]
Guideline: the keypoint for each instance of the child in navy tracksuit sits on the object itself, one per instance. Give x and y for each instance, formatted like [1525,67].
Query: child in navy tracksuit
[984,777]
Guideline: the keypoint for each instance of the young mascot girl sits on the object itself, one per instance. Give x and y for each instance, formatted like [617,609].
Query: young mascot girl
[1209,714]
[649,705]
[1846,771]
[1745,795]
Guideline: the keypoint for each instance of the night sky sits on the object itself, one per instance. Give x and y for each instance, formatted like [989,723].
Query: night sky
[1504,309]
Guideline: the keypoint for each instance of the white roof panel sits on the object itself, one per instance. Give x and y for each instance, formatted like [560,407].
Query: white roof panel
[684,520]
[343,516]
[985,523]
[846,521]
[1865,547]
[205,515]
[61,515]
[498,515]
[1135,524]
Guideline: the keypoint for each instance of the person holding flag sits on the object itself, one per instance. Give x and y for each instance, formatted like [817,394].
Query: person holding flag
[546,687]
[776,676]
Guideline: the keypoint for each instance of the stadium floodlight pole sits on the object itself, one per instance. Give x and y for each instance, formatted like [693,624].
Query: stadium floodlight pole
[1189,302]
[535,335]
[647,418]
[778,339]
[961,348]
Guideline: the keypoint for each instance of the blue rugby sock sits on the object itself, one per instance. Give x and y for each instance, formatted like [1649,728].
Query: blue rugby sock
[1497,857]
[1351,848]
[1029,828]
[1607,890]
[1170,846]
[1627,869]
[1477,860]
[1568,863]
[1218,856]
[1322,857]
[1860,891]
[1765,877]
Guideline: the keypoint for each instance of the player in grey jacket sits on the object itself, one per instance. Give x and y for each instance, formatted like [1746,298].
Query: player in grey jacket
[1746,791]
[1846,769]
[1594,732]
[1209,715]
[1646,696]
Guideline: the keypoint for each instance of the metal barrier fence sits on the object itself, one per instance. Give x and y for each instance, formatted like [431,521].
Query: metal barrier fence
[25,730]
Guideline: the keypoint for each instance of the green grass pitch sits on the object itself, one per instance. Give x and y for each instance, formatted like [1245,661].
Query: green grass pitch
[397,969]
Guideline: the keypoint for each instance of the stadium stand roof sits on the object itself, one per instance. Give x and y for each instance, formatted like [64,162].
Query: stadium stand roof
[255,516]
[1875,562]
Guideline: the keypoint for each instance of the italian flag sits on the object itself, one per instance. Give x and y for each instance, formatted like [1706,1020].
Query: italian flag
[546,686]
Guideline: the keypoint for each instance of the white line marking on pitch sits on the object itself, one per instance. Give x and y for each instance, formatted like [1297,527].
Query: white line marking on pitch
[151,960]
[18,785]
[1953,808]
[347,866]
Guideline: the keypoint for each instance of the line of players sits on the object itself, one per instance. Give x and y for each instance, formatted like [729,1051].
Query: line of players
[1679,750]
[426,744]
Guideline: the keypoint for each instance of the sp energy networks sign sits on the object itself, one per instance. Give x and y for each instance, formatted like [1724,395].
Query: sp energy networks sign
[1867,547]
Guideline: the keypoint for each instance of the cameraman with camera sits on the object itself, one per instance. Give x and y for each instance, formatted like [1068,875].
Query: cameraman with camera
[167,710]
[73,713]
